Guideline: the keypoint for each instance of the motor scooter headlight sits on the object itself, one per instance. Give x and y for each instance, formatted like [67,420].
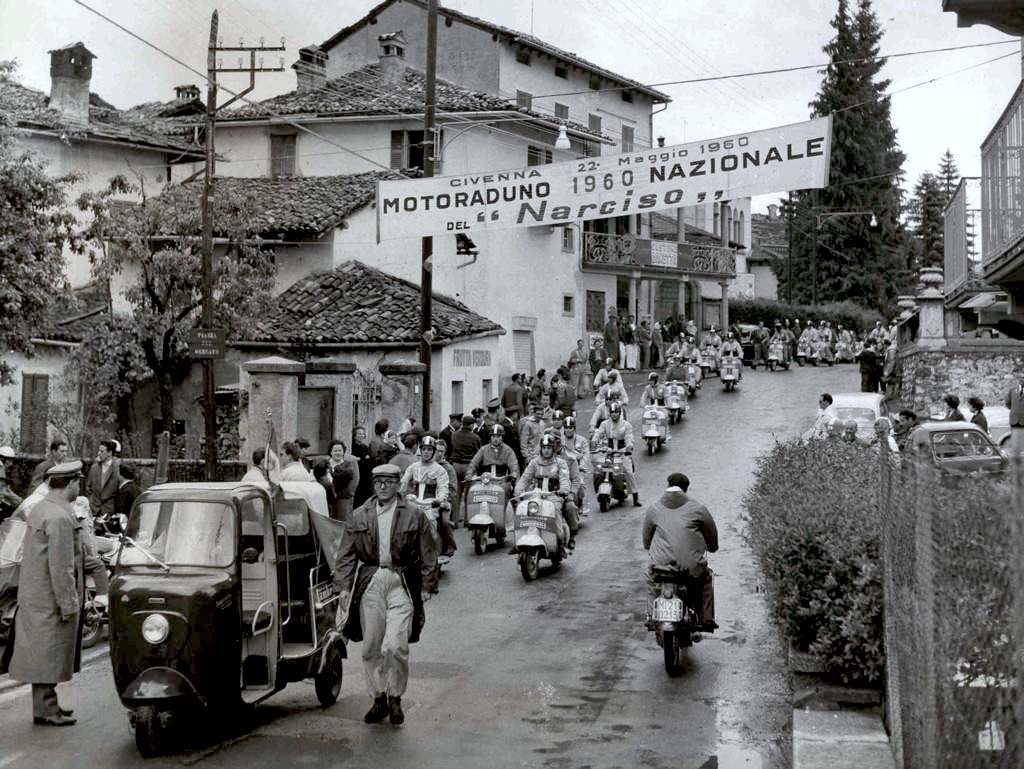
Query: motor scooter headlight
[668,590]
[533,508]
[155,628]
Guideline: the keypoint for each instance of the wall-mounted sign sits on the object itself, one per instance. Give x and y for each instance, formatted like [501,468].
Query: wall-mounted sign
[791,157]
[206,344]
[468,358]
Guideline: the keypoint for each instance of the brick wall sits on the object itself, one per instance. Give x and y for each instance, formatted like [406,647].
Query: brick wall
[982,367]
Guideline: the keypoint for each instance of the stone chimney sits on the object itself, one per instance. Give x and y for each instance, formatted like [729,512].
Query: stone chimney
[70,74]
[391,55]
[311,69]
[773,211]
[186,92]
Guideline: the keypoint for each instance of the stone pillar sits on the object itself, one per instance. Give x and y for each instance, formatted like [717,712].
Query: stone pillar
[724,307]
[338,374]
[931,301]
[273,386]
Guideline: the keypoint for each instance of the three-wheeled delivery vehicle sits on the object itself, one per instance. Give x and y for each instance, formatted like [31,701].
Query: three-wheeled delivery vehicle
[221,596]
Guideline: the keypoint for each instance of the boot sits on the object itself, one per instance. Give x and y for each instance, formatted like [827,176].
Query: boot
[395,708]
[636,499]
[572,542]
[379,711]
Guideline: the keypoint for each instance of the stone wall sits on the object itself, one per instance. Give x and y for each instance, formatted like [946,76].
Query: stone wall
[982,367]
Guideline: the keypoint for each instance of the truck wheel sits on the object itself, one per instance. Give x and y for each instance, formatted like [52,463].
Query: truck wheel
[150,735]
[328,683]
[670,645]
[480,540]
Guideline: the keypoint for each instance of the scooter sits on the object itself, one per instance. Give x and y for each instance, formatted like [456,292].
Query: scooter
[655,427]
[777,356]
[824,353]
[803,352]
[672,616]
[675,400]
[708,361]
[844,352]
[540,530]
[424,500]
[96,610]
[730,373]
[693,377]
[609,478]
[486,509]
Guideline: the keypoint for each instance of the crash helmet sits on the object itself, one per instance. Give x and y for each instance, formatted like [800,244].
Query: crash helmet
[712,330]
[730,335]
[497,431]
[615,410]
[613,375]
[608,361]
[428,443]
[570,423]
[547,446]
[558,416]
[691,340]
[653,376]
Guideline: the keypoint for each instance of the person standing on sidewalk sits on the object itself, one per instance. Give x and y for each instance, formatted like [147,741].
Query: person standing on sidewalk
[578,369]
[643,335]
[611,338]
[51,592]
[391,542]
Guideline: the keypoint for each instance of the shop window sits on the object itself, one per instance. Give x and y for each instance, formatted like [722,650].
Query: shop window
[537,156]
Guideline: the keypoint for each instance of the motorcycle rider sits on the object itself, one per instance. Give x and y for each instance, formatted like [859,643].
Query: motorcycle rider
[676,371]
[498,454]
[602,412]
[731,347]
[713,343]
[616,433]
[530,432]
[576,445]
[547,465]
[613,385]
[573,501]
[654,393]
[779,337]
[602,374]
[444,523]
[679,532]
[435,478]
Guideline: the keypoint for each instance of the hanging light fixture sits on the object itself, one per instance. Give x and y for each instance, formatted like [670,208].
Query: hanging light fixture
[562,142]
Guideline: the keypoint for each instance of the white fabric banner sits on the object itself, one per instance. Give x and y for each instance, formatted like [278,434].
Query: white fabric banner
[792,157]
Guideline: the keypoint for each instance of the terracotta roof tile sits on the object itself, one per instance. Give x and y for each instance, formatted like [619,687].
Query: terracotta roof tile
[356,304]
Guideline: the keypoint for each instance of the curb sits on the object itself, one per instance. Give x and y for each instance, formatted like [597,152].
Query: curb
[840,739]
[7,684]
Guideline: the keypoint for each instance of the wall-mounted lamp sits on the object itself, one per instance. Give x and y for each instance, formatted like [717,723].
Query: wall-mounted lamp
[562,142]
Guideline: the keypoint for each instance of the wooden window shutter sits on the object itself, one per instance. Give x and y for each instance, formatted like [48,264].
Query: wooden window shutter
[398,140]
[35,404]
[282,155]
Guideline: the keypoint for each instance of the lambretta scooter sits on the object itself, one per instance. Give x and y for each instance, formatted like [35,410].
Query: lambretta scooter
[777,355]
[425,500]
[671,615]
[654,425]
[540,529]
[609,477]
[730,372]
[708,360]
[694,374]
[487,507]
[675,401]
[803,352]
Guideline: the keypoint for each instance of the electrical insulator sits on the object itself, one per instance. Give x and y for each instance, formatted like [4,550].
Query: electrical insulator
[261,41]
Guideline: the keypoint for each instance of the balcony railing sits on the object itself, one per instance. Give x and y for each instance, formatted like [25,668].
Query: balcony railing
[1002,181]
[618,253]
[962,236]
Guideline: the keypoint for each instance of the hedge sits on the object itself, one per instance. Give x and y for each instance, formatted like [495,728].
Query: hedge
[814,526]
[850,315]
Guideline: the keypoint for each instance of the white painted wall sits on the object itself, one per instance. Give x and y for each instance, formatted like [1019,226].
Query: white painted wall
[49,360]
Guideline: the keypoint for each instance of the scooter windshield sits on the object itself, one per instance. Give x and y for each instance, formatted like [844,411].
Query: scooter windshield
[180,533]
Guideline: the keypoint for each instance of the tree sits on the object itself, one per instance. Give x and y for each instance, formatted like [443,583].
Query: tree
[34,225]
[836,258]
[925,215]
[155,247]
[949,174]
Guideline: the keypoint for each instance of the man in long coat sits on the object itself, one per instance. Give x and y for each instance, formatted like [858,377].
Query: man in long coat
[51,589]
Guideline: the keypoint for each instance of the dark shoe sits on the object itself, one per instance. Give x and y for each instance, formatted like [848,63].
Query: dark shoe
[378,712]
[395,706]
[572,543]
[57,720]
[636,500]
[65,712]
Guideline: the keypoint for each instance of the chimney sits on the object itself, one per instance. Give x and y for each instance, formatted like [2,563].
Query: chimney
[186,92]
[70,73]
[311,69]
[773,211]
[391,55]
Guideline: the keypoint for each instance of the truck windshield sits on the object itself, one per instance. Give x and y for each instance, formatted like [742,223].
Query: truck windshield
[181,533]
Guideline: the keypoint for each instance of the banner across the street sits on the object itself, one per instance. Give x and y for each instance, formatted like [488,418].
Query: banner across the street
[792,157]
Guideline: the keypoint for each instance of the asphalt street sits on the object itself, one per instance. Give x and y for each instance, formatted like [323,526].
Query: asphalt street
[558,673]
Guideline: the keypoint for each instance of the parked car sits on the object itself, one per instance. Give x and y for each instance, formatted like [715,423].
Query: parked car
[957,448]
[864,409]
[998,425]
[745,335]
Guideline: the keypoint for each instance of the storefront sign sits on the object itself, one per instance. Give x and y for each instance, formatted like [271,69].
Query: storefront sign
[466,358]
[664,253]
[779,159]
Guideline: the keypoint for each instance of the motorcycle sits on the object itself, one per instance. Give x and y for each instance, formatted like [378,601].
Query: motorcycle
[675,400]
[844,352]
[824,353]
[708,361]
[609,478]
[777,356]
[655,427]
[672,616]
[425,502]
[803,352]
[540,529]
[693,378]
[730,373]
[486,502]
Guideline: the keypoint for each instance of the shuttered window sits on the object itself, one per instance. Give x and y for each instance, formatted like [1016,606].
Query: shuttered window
[407,149]
[524,100]
[627,138]
[35,403]
[594,123]
[562,111]
[398,149]
[522,350]
[282,155]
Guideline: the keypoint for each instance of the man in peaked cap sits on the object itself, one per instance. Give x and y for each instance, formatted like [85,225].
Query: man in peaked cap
[51,592]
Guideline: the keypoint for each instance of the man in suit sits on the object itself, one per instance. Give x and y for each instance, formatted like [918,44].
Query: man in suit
[57,456]
[104,478]
[454,423]
[1015,403]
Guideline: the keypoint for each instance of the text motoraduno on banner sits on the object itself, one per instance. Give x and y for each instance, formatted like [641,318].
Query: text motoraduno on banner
[792,157]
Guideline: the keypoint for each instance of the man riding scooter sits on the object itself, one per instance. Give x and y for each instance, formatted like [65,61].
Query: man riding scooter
[731,347]
[497,454]
[616,433]
[679,532]
[428,480]
[613,386]
[654,393]
[577,447]
[548,466]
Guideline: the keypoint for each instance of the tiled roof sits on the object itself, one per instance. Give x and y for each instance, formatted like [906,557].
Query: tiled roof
[295,205]
[76,313]
[514,36]
[29,108]
[664,228]
[356,304]
[371,90]
[768,238]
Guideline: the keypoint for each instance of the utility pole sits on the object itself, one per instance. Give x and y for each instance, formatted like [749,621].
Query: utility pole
[207,318]
[426,268]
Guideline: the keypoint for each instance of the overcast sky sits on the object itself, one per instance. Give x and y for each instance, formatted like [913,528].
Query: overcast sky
[647,40]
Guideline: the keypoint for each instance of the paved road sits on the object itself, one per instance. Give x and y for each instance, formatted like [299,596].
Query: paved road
[559,673]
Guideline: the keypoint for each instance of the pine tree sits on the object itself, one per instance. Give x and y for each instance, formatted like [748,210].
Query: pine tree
[925,215]
[949,174]
[846,258]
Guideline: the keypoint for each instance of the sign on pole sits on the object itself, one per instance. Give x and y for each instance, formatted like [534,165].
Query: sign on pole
[792,157]
[206,344]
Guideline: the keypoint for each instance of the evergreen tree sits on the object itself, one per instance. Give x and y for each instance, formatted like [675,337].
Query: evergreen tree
[925,216]
[845,258]
[949,174]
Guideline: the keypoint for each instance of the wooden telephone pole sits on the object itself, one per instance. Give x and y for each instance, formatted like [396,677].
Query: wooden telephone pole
[429,146]
[207,344]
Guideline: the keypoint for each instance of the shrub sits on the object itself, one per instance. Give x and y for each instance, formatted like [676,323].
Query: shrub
[815,528]
[851,315]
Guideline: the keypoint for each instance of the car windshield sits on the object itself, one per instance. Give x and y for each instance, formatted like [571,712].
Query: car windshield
[180,533]
[956,444]
[865,418]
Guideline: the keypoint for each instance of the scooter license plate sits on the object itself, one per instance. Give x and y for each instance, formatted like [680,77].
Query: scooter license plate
[667,610]
[486,496]
[604,488]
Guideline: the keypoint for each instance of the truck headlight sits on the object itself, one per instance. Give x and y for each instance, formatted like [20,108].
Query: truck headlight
[668,590]
[155,628]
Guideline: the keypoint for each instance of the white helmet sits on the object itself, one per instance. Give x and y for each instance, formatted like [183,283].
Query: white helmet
[7,452]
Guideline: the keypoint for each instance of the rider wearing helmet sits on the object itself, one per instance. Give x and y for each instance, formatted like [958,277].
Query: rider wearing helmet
[495,454]
[602,375]
[732,348]
[547,465]
[427,472]
[617,433]
[444,524]
[654,393]
[575,445]
[601,413]
[613,385]
[571,508]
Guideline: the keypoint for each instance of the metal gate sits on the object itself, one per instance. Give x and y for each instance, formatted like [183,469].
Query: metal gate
[366,398]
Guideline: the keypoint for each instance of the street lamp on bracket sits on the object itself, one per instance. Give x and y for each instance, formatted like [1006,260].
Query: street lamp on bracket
[820,218]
